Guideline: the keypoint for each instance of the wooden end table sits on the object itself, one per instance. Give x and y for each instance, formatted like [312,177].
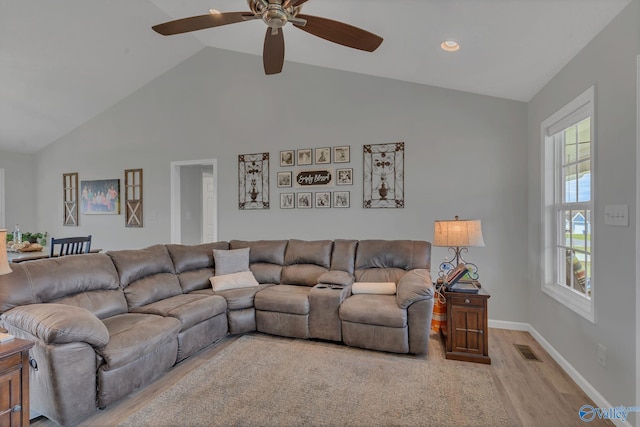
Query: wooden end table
[466,336]
[14,382]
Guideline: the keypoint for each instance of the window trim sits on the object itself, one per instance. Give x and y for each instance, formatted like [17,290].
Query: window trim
[566,116]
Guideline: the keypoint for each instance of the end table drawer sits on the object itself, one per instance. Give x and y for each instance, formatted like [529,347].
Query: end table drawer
[10,362]
[468,300]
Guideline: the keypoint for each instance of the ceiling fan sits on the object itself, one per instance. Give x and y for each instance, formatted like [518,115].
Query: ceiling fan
[276,14]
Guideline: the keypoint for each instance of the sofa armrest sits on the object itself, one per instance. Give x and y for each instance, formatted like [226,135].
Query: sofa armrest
[336,277]
[415,285]
[58,324]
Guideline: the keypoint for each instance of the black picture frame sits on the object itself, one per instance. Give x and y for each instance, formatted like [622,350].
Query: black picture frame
[342,154]
[287,201]
[304,200]
[304,156]
[323,155]
[322,199]
[344,176]
[341,199]
[287,158]
[285,179]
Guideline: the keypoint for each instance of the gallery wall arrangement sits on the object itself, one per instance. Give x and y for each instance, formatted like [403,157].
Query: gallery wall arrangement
[308,178]
[314,172]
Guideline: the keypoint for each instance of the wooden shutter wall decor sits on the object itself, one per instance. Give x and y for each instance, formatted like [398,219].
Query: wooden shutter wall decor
[70,199]
[133,197]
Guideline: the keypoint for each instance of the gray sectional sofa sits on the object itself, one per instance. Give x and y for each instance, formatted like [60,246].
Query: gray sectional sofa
[105,325]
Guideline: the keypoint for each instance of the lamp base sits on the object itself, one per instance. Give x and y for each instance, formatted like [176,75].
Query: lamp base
[448,265]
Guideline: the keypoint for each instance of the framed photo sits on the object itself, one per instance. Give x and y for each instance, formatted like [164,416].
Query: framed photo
[287,201]
[101,197]
[304,200]
[285,179]
[287,158]
[341,199]
[304,156]
[323,200]
[323,156]
[345,176]
[341,154]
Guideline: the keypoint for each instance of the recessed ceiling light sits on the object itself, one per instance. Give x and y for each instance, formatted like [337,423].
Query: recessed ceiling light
[450,45]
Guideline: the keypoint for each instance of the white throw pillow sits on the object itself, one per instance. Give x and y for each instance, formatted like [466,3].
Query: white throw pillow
[243,279]
[377,288]
[230,261]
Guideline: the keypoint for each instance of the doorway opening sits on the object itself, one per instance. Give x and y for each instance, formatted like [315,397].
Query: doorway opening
[194,192]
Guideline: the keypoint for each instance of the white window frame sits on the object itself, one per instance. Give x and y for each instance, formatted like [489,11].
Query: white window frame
[581,107]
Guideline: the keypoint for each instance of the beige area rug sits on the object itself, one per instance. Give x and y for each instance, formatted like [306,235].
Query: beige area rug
[268,381]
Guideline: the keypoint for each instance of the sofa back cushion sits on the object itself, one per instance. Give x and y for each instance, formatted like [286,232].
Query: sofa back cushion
[89,281]
[266,258]
[194,264]
[388,260]
[305,261]
[146,275]
[343,257]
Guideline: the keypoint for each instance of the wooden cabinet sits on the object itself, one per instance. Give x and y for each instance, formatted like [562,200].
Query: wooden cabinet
[14,383]
[466,336]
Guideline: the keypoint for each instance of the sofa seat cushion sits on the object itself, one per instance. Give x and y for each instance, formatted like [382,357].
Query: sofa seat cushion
[284,299]
[241,297]
[189,309]
[134,335]
[379,310]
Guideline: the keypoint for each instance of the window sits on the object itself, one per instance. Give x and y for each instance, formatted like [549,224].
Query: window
[567,137]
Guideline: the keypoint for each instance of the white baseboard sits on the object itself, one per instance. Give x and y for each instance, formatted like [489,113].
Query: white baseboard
[590,390]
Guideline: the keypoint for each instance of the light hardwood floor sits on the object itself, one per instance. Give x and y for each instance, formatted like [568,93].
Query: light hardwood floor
[533,393]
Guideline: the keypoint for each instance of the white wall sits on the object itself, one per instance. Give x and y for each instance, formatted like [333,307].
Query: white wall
[609,63]
[465,155]
[20,191]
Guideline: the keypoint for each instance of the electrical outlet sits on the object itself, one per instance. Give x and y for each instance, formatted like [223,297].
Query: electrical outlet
[602,355]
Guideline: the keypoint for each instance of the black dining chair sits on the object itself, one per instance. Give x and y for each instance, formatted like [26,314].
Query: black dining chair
[71,246]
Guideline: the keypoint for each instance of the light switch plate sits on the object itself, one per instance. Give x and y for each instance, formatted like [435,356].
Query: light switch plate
[616,215]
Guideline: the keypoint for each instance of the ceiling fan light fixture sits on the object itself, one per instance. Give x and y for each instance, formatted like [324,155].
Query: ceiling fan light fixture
[214,12]
[450,46]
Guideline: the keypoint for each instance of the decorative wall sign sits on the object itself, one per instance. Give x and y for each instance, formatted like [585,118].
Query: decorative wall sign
[253,178]
[314,178]
[341,199]
[101,197]
[70,199]
[133,214]
[341,154]
[383,175]
[344,176]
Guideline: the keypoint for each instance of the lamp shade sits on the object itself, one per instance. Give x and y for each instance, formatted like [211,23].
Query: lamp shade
[457,233]
[4,262]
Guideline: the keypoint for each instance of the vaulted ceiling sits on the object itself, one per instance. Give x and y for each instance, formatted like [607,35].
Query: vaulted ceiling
[64,62]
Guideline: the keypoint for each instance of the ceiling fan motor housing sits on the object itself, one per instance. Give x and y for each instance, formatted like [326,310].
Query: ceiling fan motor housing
[274,16]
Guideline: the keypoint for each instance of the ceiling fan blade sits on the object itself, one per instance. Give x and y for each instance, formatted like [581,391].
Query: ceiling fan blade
[201,22]
[273,52]
[340,33]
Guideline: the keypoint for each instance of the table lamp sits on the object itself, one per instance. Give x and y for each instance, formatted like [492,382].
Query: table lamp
[4,262]
[457,235]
